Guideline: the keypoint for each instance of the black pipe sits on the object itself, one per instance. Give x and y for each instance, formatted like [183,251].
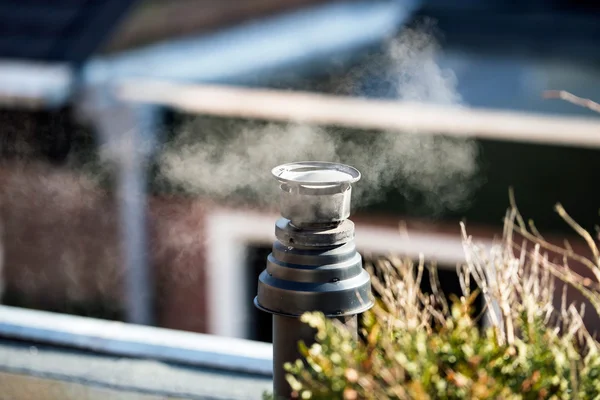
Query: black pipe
[287,333]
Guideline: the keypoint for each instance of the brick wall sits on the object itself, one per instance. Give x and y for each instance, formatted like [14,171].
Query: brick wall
[61,245]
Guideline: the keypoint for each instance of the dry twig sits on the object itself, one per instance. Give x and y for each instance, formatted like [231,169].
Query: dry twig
[571,98]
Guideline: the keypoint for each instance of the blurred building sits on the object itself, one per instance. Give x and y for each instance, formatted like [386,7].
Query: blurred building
[63,219]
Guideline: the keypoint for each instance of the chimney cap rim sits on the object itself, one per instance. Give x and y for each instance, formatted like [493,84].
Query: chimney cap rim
[316,173]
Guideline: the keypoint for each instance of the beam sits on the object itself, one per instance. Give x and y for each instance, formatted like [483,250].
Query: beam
[312,108]
[34,85]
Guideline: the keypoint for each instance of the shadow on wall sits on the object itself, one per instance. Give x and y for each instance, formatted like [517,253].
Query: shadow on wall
[61,247]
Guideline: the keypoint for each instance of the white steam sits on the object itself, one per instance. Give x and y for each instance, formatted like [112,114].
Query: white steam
[243,162]
[415,72]
[441,170]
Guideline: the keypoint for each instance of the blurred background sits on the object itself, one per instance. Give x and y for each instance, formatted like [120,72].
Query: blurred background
[161,215]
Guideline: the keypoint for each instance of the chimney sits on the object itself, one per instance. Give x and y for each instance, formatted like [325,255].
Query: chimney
[314,265]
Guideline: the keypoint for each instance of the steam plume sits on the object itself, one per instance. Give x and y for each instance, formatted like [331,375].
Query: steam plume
[442,170]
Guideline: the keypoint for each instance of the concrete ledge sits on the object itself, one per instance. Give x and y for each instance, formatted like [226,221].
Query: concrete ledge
[121,339]
[47,372]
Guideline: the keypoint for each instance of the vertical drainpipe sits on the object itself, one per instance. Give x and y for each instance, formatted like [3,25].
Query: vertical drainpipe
[133,212]
[2,283]
[126,133]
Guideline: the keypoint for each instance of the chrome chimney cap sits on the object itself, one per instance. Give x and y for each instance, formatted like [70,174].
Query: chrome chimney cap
[315,192]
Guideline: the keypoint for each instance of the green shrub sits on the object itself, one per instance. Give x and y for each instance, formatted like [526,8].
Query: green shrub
[416,345]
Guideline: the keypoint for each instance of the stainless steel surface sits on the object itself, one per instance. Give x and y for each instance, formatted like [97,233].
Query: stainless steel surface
[314,277]
[316,173]
[315,193]
[290,235]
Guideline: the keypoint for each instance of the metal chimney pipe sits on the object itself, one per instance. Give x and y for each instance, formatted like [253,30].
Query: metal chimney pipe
[314,265]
